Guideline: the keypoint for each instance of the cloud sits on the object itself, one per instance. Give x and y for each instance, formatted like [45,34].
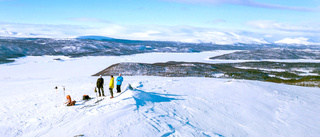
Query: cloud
[145,32]
[186,34]
[274,6]
[298,40]
[249,3]
[87,19]
[275,31]
[274,25]
[39,30]
[270,32]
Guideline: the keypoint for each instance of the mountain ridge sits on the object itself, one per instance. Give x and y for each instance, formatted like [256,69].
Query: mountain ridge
[105,46]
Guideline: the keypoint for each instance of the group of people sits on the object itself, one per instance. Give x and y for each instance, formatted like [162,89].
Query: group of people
[100,83]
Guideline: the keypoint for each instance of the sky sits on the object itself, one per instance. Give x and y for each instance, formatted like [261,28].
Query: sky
[176,20]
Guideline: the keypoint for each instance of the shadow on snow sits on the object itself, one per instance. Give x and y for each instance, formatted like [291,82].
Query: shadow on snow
[142,97]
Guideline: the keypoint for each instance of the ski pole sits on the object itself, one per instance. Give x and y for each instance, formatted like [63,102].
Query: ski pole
[64,91]
[95,90]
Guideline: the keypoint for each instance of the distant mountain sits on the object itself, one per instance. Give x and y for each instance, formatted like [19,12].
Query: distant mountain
[102,38]
[11,47]
[276,53]
[94,46]
[95,38]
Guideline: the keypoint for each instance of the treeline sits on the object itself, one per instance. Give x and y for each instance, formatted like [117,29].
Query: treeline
[229,70]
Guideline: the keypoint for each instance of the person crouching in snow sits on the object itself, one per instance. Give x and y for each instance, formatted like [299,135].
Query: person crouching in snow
[111,86]
[100,85]
[69,102]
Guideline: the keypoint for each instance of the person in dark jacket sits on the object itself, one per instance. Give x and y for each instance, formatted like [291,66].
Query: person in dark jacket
[100,85]
[119,83]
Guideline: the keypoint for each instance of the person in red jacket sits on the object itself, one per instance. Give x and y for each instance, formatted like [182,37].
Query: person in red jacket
[69,102]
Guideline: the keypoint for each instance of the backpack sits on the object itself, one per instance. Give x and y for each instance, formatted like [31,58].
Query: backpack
[85,97]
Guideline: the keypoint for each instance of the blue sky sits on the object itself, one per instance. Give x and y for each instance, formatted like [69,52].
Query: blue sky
[268,19]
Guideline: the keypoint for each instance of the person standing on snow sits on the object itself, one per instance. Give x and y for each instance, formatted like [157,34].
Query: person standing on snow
[100,85]
[119,82]
[111,86]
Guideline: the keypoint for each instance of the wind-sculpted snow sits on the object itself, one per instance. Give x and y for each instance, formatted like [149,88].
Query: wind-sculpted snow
[277,53]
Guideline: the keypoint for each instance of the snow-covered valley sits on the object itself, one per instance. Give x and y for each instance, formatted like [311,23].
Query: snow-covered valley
[157,106]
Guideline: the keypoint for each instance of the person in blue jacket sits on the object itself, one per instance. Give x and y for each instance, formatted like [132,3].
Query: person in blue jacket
[119,83]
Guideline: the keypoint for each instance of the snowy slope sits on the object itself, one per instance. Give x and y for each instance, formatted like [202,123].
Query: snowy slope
[158,106]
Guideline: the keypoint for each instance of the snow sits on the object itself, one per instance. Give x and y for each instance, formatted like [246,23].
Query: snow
[264,69]
[270,75]
[305,72]
[269,60]
[309,74]
[218,75]
[157,106]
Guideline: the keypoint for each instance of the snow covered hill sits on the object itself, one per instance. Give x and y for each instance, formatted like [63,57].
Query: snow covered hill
[104,46]
[275,53]
[98,46]
[157,106]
